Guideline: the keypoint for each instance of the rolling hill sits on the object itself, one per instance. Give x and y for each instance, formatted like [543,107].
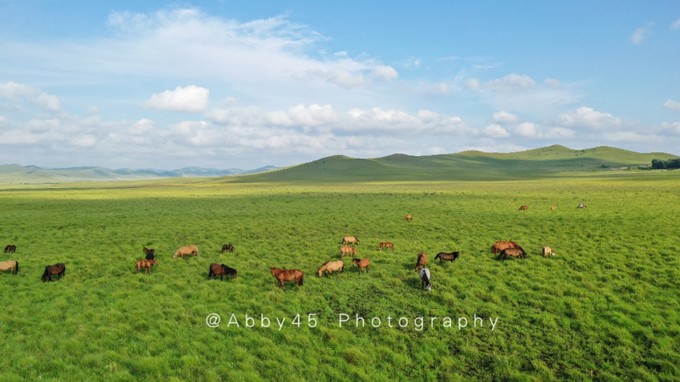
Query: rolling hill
[548,161]
[551,161]
[14,173]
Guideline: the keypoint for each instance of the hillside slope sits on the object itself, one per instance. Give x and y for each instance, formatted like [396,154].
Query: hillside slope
[548,161]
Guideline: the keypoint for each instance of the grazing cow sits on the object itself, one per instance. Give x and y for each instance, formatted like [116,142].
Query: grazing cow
[190,250]
[11,248]
[283,275]
[547,251]
[421,261]
[221,270]
[425,280]
[500,245]
[58,269]
[385,244]
[227,248]
[330,267]
[512,252]
[347,250]
[362,264]
[145,264]
[9,265]
[523,208]
[444,256]
[581,205]
[350,240]
[408,217]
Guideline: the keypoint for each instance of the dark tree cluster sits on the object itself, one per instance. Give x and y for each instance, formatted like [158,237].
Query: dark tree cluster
[668,164]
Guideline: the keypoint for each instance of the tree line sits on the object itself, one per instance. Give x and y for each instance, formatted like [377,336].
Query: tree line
[668,164]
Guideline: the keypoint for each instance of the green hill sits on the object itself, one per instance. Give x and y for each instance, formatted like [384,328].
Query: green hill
[548,161]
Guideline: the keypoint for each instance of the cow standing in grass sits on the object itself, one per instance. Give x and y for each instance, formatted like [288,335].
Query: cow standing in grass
[547,251]
[421,261]
[350,240]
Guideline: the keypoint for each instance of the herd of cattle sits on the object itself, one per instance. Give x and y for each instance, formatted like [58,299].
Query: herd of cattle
[503,249]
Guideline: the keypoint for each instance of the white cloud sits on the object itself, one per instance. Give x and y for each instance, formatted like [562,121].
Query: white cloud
[13,90]
[304,116]
[672,127]
[676,24]
[503,117]
[17,92]
[534,131]
[428,116]
[142,126]
[340,77]
[384,73]
[190,99]
[473,84]
[527,129]
[673,105]
[495,131]
[511,83]
[589,117]
[640,35]
[433,89]
[552,83]
[85,140]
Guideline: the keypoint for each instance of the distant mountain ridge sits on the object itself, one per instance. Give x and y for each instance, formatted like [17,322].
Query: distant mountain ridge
[14,173]
[555,160]
[550,161]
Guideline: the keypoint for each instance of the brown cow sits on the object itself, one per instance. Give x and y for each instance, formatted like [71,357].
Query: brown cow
[421,261]
[145,264]
[512,252]
[385,244]
[523,208]
[347,250]
[363,263]
[408,217]
[500,245]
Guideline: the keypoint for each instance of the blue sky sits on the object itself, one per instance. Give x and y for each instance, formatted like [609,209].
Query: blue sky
[251,83]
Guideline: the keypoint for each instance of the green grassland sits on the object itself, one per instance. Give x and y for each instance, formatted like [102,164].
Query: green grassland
[605,308]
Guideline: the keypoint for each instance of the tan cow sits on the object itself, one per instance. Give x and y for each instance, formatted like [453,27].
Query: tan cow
[330,267]
[347,250]
[350,240]
[547,251]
